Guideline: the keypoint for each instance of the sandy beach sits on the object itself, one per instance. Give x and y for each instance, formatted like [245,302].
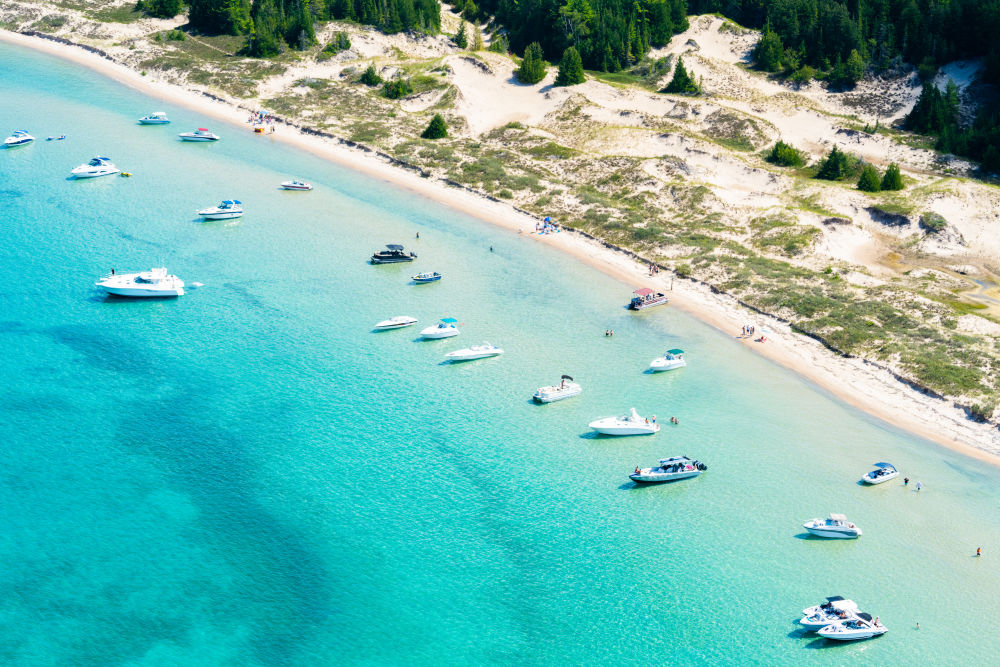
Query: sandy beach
[866,386]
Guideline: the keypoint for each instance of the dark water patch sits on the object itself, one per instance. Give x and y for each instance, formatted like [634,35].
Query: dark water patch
[13,326]
[105,350]
[245,292]
[28,403]
[140,241]
[10,193]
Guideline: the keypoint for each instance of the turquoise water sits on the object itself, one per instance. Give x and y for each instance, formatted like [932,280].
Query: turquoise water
[248,475]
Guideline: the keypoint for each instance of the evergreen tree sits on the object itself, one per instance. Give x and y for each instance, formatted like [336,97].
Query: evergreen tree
[477,37]
[834,166]
[570,68]
[264,39]
[164,9]
[869,181]
[220,17]
[785,155]
[532,69]
[498,43]
[892,180]
[461,41]
[397,88]
[437,128]
[681,82]
[769,51]
[370,76]
[299,31]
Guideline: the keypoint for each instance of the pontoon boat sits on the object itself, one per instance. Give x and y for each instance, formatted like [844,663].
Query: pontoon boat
[392,254]
[557,392]
[646,298]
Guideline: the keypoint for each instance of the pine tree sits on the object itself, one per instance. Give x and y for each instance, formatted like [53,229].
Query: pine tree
[164,9]
[532,69]
[477,38]
[682,82]
[570,68]
[892,180]
[769,51]
[437,129]
[869,181]
[461,41]
[264,39]
[834,166]
[370,76]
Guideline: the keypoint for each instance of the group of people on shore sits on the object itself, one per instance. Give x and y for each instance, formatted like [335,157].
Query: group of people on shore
[546,226]
[262,121]
[653,269]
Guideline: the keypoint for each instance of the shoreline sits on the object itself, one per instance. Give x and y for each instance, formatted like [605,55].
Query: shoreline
[860,384]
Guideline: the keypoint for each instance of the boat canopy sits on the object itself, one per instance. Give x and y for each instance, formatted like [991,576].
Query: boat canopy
[883,464]
[838,517]
[643,291]
[449,320]
[566,377]
[834,598]
[394,246]
[675,351]
[865,616]
[674,459]
[203,129]
[231,202]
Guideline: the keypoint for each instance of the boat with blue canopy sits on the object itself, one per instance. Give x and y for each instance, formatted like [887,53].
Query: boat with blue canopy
[669,361]
[18,138]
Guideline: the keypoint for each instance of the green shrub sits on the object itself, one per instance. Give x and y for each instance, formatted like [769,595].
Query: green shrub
[785,155]
[499,43]
[933,222]
[175,36]
[437,129]
[532,69]
[683,270]
[397,88]
[570,68]
[835,166]
[461,39]
[370,77]
[869,181]
[892,180]
[682,82]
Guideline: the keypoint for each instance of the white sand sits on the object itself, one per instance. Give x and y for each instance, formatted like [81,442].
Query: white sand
[858,383]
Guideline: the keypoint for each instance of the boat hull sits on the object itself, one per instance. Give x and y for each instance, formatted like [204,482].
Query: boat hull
[14,144]
[422,281]
[660,478]
[867,479]
[301,188]
[472,356]
[387,325]
[138,292]
[144,121]
[833,534]
[391,260]
[94,174]
[221,216]
[541,396]
[434,335]
[666,365]
[625,430]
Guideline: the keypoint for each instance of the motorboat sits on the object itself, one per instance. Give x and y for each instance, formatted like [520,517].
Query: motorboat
[152,283]
[862,626]
[630,424]
[201,134]
[397,322]
[99,166]
[836,526]
[669,361]
[296,185]
[392,254]
[444,329]
[557,392]
[230,208]
[474,352]
[832,602]
[883,473]
[825,617]
[427,277]
[646,298]
[669,470]
[18,138]
[155,118]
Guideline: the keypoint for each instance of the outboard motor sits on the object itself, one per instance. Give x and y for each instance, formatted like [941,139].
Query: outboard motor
[702,467]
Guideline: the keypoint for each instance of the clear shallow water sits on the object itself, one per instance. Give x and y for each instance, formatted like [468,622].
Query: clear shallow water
[248,475]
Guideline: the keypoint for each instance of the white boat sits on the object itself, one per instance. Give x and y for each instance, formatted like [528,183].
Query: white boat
[630,424]
[155,118]
[883,473]
[201,134]
[397,322]
[444,329]
[18,138]
[152,283]
[862,626]
[832,602]
[646,298]
[474,352]
[669,470]
[557,392]
[99,166]
[296,185]
[669,361]
[230,208]
[826,617]
[836,526]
